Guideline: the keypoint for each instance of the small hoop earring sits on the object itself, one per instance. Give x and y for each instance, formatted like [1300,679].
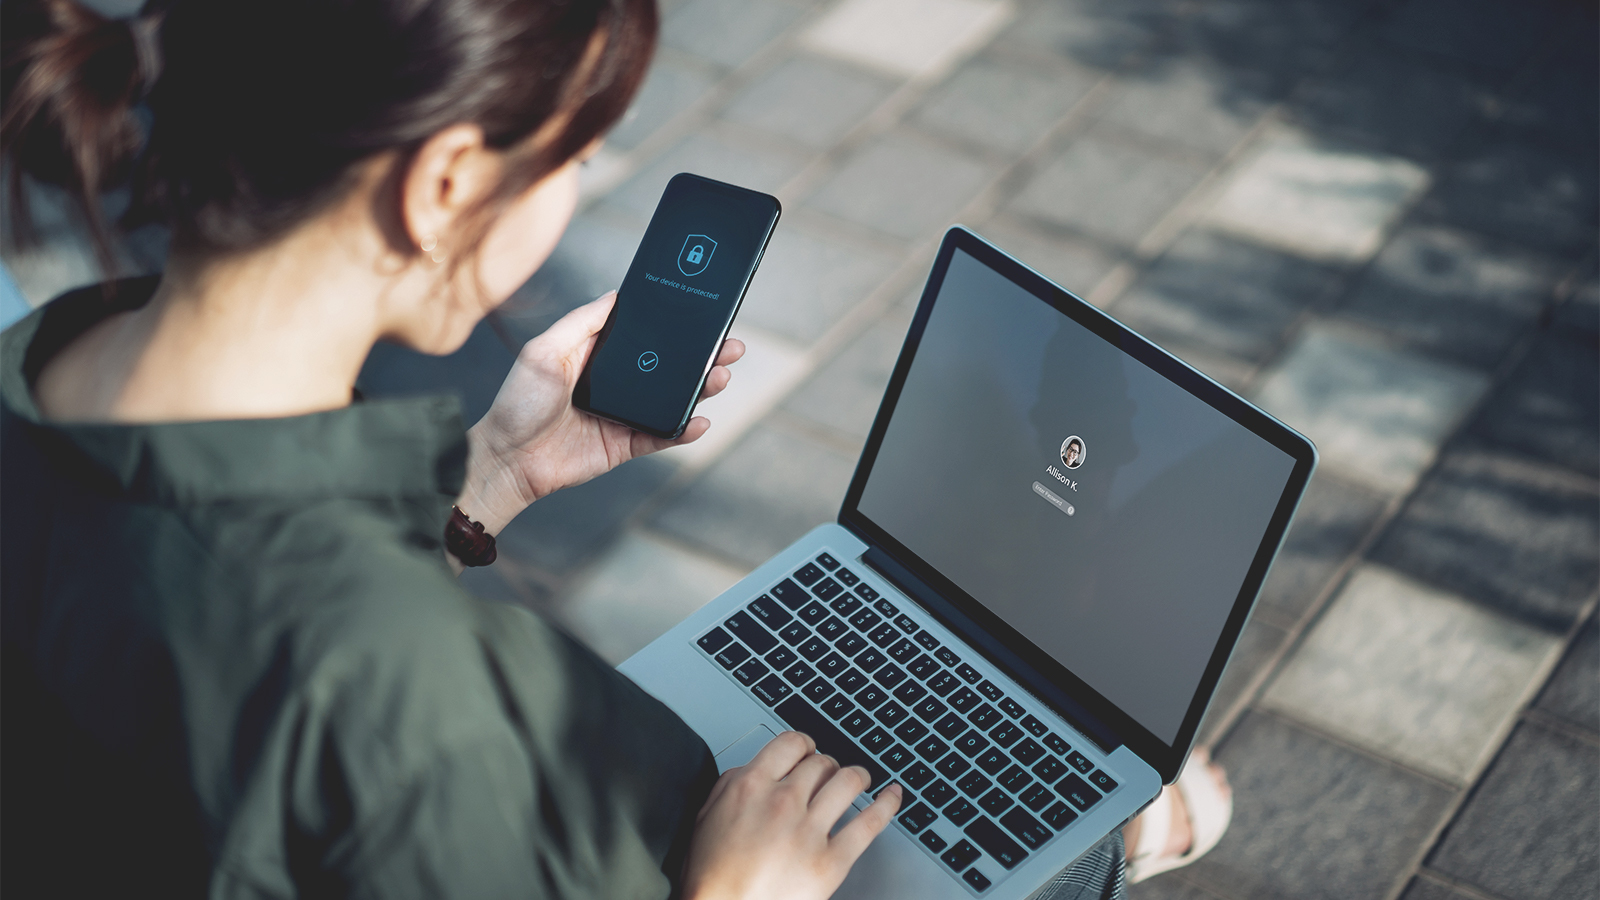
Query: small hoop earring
[428,242]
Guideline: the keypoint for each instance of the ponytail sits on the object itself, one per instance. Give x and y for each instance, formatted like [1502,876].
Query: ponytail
[71,79]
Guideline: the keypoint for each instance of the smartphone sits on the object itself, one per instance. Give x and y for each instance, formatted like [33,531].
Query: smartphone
[676,304]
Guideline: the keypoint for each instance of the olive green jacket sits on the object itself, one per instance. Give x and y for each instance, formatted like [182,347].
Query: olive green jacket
[236,664]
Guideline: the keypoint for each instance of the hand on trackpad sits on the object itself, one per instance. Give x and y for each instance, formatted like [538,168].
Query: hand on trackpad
[744,749]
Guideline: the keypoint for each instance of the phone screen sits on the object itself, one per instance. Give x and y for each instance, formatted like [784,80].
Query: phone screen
[676,304]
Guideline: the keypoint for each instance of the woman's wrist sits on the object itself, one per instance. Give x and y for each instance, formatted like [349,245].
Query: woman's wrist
[493,493]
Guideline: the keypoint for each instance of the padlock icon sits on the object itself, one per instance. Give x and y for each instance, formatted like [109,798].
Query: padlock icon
[697,253]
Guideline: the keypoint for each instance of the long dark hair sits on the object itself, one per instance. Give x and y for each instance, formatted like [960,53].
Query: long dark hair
[258,110]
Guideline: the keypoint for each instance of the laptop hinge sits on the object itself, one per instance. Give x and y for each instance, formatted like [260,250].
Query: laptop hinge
[951,617]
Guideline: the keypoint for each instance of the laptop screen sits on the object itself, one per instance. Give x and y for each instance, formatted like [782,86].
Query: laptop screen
[1104,512]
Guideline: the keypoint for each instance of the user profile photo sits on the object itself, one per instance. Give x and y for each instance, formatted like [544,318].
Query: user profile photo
[1073,452]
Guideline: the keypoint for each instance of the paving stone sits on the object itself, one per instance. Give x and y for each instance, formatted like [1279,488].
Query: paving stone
[810,277]
[1108,189]
[1579,315]
[1312,819]
[1413,673]
[907,38]
[671,87]
[776,485]
[1168,886]
[1501,184]
[1314,199]
[1257,643]
[1188,103]
[1453,294]
[1502,531]
[1073,264]
[1271,42]
[473,373]
[639,589]
[1421,888]
[1333,518]
[728,31]
[570,527]
[809,100]
[1497,33]
[1391,101]
[1376,415]
[1531,828]
[1108,34]
[1558,103]
[845,392]
[1231,296]
[1550,406]
[903,184]
[763,168]
[1004,105]
[1573,692]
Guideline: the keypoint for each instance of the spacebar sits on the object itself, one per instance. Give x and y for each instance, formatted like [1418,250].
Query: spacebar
[804,718]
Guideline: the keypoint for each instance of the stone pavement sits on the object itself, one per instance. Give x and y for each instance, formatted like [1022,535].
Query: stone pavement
[1376,218]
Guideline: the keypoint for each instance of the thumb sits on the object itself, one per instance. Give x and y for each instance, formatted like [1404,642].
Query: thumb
[583,323]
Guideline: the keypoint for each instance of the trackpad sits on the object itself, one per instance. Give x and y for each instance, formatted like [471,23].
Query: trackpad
[744,749]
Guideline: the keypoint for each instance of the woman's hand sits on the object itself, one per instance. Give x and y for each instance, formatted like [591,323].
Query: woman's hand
[763,833]
[533,441]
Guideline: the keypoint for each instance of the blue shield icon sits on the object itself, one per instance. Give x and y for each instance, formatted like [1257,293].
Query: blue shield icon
[696,254]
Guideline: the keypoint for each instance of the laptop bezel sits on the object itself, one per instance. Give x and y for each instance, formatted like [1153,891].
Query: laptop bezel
[1032,667]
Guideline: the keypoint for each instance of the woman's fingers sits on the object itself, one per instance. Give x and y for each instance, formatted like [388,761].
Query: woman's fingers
[812,773]
[853,838]
[578,326]
[716,382]
[781,754]
[732,351]
[836,795]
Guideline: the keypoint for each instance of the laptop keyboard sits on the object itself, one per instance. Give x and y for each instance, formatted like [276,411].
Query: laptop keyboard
[986,782]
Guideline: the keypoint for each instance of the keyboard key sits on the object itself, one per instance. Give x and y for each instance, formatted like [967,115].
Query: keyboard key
[1037,797]
[1103,781]
[851,681]
[847,577]
[904,651]
[790,594]
[866,592]
[951,727]
[932,748]
[800,716]
[918,817]
[995,842]
[851,644]
[1049,769]
[1056,744]
[832,664]
[974,783]
[1080,762]
[1077,792]
[909,693]
[891,714]
[1011,708]
[952,766]
[911,731]
[771,690]
[845,604]
[939,793]
[927,640]
[855,723]
[794,633]
[832,627]
[917,776]
[906,623]
[865,620]
[808,574]
[741,626]
[996,802]
[960,856]
[884,635]
[921,667]
[837,706]
[960,812]
[1060,815]
[1006,734]
[943,683]
[812,613]
[992,761]
[1027,752]
[1030,831]
[968,674]
[890,676]
[732,655]
[887,608]
[872,697]
[979,882]
[813,648]
[929,709]
[827,562]
[896,757]
[1015,779]
[870,660]
[751,672]
[992,691]
[714,640]
[932,841]
[877,740]
[1034,726]
[963,700]
[827,589]
[948,658]
[984,717]
[818,691]
[782,658]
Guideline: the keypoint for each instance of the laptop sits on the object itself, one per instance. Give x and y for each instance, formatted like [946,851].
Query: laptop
[1052,540]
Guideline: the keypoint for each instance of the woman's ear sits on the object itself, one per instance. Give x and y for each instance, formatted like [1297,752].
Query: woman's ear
[450,173]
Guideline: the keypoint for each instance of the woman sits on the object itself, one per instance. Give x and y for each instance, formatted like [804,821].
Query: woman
[236,660]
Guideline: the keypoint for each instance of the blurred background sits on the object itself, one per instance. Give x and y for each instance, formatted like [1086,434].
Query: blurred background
[1375,218]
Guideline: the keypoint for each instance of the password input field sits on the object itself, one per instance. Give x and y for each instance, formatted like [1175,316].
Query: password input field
[1053,499]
